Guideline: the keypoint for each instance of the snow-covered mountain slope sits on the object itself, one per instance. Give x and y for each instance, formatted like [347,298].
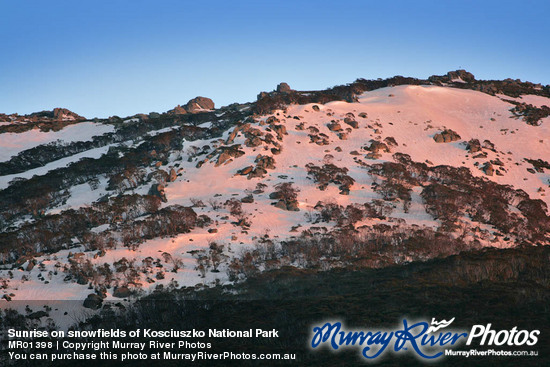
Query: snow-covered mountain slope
[402,173]
[14,143]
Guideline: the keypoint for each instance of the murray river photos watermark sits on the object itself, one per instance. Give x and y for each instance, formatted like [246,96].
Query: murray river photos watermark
[428,341]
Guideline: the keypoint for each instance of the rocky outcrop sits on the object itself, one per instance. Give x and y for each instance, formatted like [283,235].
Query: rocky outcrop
[257,172]
[291,206]
[488,169]
[265,162]
[509,87]
[278,129]
[57,114]
[172,175]
[539,165]
[31,265]
[197,104]
[473,146]
[61,114]
[461,75]
[228,153]
[55,120]
[283,88]
[248,199]
[122,292]
[158,190]
[319,139]
[487,144]
[457,76]
[253,142]
[390,141]
[245,171]
[283,91]
[262,95]
[252,135]
[351,122]
[272,120]
[446,136]
[178,110]
[93,301]
[530,114]
[377,147]
[334,126]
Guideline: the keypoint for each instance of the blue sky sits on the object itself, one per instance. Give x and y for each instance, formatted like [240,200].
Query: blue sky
[102,58]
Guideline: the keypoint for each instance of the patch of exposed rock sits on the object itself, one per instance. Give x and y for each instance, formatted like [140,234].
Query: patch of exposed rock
[93,301]
[283,88]
[453,77]
[197,104]
[158,190]
[227,153]
[263,163]
[488,169]
[319,139]
[289,205]
[248,199]
[122,292]
[61,114]
[473,146]
[390,141]
[530,114]
[377,147]
[461,74]
[278,129]
[446,136]
[178,110]
[334,126]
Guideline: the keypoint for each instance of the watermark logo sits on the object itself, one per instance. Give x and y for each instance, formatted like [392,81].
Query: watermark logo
[513,337]
[439,325]
[427,341]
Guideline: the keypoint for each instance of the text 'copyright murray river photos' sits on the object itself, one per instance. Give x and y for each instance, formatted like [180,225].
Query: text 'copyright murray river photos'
[139,344]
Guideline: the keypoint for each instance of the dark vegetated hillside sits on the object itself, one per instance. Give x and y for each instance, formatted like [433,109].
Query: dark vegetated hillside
[502,287]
